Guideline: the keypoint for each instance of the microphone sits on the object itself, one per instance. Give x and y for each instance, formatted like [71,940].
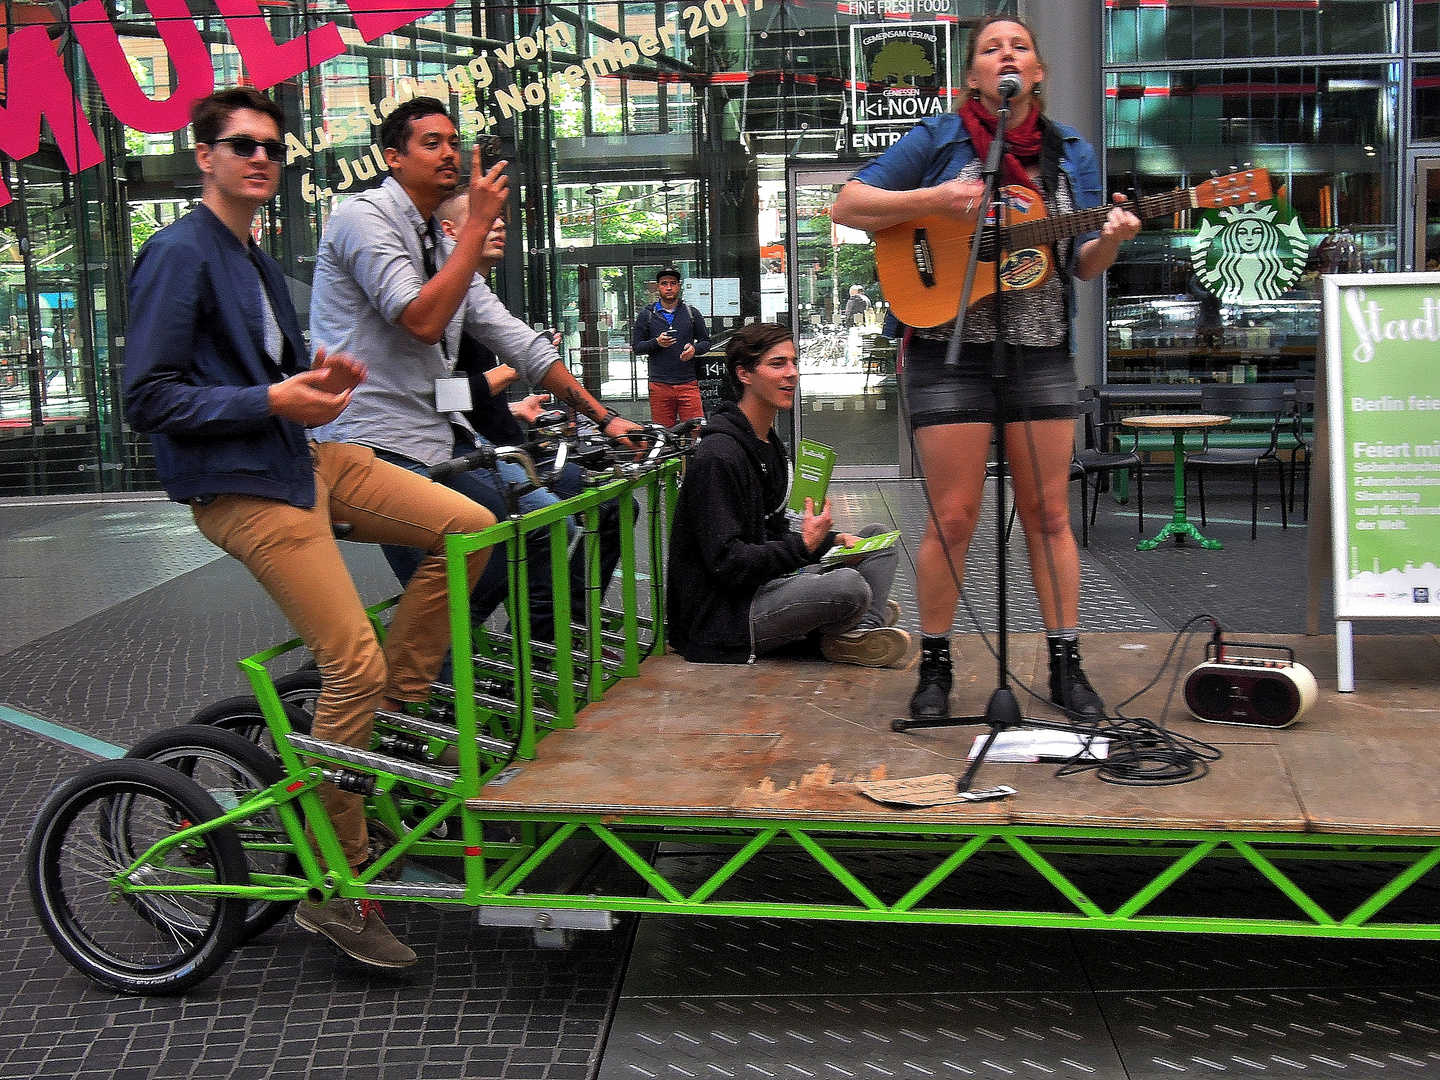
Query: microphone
[1010,85]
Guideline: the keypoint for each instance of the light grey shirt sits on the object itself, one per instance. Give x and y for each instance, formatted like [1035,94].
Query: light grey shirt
[274,336]
[371,265]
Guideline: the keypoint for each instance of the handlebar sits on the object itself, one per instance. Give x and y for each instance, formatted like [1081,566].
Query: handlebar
[487,457]
[592,455]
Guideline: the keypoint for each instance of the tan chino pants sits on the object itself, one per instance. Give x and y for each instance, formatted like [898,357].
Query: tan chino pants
[293,554]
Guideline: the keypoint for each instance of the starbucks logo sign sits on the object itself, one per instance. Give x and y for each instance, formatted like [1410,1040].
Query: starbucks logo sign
[1250,252]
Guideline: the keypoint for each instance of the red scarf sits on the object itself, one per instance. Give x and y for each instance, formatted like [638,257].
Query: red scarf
[1022,142]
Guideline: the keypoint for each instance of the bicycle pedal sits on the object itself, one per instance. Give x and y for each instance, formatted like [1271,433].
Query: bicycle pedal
[402,746]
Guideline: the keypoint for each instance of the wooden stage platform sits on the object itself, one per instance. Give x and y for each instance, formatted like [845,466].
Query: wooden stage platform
[1329,828]
[789,740]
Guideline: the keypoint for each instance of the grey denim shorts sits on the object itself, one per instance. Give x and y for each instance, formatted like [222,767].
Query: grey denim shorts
[1040,384]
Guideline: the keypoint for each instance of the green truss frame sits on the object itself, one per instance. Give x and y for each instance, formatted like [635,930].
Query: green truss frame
[831,847]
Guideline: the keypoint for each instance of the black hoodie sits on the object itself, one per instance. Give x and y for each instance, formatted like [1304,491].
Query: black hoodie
[730,537]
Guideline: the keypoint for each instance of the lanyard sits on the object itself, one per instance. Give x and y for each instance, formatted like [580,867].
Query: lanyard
[428,243]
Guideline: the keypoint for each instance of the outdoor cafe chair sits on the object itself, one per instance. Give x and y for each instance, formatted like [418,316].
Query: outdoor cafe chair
[1262,405]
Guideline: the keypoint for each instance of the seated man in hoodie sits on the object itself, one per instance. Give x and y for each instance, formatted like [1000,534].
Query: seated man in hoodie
[733,592]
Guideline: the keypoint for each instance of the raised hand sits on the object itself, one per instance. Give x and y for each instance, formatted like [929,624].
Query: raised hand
[489,191]
[339,371]
[305,398]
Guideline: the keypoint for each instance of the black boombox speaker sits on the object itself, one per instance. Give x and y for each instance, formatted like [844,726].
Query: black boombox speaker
[1252,691]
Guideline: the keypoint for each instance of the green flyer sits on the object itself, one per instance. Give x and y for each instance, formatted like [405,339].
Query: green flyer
[1383,391]
[813,464]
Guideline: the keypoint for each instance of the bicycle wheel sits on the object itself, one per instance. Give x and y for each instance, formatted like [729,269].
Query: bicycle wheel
[299,690]
[242,715]
[230,769]
[94,827]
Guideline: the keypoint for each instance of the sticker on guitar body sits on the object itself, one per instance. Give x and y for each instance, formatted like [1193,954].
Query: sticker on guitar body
[1025,269]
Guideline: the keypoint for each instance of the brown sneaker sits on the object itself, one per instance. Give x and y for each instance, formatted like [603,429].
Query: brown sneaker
[885,646]
[893,612]
[357,929]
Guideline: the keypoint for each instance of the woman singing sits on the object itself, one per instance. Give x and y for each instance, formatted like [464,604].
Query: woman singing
[936,169]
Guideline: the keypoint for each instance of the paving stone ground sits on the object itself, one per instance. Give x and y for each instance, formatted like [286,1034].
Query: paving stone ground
[123,621]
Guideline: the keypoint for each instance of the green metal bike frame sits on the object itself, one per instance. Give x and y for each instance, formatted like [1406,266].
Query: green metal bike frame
[502,874]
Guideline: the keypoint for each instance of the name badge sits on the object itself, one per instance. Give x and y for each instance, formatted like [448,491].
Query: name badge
[453,395]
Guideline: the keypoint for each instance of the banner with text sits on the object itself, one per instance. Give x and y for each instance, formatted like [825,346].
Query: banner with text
[1382,346]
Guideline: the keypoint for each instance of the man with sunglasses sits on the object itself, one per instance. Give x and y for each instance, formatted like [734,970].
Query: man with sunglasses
[216,372]
[387,291]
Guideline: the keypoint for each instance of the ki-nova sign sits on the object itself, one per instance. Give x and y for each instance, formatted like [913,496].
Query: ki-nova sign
[38,89]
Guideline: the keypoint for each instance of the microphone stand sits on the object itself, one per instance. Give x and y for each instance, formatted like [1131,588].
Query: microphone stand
[1003,709]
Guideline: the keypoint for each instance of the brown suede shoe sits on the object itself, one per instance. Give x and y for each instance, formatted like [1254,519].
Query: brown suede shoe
[357,929]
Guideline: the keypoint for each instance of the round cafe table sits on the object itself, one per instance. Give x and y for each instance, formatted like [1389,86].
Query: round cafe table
[1178,526]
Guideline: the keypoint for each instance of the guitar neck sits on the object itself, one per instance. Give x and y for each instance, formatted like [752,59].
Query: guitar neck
[1064,226]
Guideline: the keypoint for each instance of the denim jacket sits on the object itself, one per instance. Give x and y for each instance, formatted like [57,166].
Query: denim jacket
[197,376]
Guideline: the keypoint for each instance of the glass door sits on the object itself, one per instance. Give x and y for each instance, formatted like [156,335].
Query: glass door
[1427,214]
[848,396]
[597,306]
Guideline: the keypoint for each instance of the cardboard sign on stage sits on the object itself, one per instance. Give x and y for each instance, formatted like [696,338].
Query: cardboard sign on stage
[1382,407]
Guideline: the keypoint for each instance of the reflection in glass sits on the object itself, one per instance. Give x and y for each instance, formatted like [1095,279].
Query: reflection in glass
[1147,33]
[1327,137]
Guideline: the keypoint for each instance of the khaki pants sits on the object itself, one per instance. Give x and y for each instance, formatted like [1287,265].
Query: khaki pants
[293,554]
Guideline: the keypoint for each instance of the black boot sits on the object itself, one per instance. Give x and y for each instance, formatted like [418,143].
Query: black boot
[931,700]
[1069,688]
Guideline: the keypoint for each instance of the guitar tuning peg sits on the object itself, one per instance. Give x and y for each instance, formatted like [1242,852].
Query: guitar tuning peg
[1248,165]
[1215,172]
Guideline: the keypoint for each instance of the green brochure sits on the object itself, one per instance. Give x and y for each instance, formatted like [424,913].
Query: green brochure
[813,463]
[866,545]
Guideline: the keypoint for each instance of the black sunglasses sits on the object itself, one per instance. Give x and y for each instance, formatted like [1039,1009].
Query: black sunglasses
[244,146]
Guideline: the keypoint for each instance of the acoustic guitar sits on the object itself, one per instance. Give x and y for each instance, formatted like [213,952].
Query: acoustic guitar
[921,263]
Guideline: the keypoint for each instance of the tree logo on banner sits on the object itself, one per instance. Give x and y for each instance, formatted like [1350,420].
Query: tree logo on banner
[1250,252]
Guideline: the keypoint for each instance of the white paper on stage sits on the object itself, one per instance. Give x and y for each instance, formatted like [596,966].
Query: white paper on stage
[1025,745]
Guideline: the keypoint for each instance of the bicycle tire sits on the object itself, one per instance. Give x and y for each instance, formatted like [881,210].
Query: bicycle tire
[231,768]
[242,715]
[300,689]
[80,841]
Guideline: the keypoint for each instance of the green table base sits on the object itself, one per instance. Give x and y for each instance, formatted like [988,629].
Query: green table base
[1179,526]
[1180,529]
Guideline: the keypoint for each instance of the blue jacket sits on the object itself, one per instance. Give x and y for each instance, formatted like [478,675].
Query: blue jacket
[665,364]
[196,374]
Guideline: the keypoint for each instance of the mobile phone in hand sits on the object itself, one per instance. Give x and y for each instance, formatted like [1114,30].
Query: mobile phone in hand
[492,149]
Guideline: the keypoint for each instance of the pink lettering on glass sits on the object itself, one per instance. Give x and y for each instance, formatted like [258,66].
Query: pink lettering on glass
[268,61]
[37,87]
[189,57]
[374,18]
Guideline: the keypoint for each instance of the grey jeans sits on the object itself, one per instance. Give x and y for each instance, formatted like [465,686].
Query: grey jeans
[831,600]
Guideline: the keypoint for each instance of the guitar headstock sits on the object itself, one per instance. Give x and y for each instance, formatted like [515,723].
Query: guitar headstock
[1235,188]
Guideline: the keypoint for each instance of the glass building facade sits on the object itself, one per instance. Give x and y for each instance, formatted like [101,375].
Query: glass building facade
[709,135]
